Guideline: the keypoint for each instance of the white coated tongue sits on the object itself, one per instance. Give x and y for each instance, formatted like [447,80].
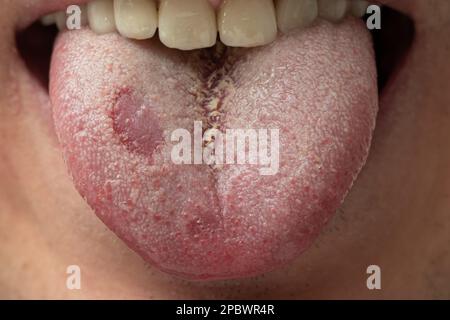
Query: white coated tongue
[118,104]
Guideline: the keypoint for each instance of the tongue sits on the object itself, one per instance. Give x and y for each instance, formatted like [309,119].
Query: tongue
[117,102]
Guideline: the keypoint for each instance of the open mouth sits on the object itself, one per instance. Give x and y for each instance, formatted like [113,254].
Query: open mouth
[121,87]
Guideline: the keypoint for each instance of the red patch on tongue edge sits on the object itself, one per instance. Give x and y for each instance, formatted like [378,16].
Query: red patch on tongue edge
[136,123]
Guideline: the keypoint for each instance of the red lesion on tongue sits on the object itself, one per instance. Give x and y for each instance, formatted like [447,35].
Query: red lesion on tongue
[136,123]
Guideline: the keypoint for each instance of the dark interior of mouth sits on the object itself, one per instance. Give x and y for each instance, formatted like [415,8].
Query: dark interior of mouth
[391,43]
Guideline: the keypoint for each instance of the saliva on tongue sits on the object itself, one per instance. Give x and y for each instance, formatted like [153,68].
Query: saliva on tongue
[117,104]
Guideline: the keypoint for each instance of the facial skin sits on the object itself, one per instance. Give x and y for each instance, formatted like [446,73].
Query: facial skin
[396,216]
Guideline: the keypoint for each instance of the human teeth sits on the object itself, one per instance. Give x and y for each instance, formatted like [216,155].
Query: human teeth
[84,17]
[359,8]
[292,14]
[101,16]
[136,19]
[187,24]
[60,20]
[333,10]
[48,19]
[192,24]
[247,23]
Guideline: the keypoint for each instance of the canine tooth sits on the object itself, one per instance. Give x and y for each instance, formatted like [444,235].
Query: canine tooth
[136,19]
[187,24]
[292,14]
[84,17]
[333,10]
[101,16]
[60,19]
[48,19]
[358,8]
[247,23]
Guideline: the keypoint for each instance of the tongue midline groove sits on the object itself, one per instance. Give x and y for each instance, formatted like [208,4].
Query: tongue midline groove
[194,24]
[215,85]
